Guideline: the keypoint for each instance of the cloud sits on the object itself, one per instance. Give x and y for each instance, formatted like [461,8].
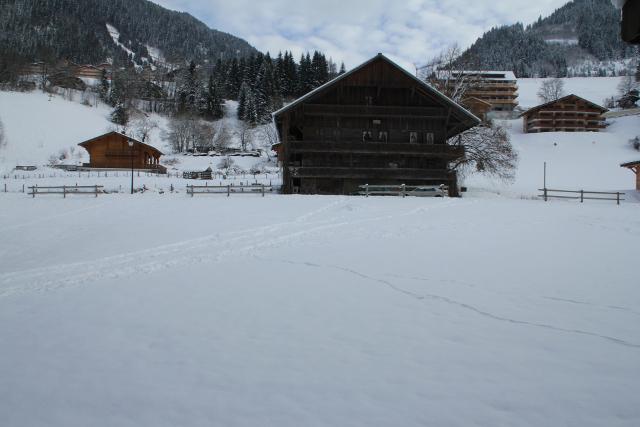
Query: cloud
[409,31]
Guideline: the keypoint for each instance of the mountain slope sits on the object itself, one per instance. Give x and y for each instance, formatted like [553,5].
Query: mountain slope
[581,32]
[78,30]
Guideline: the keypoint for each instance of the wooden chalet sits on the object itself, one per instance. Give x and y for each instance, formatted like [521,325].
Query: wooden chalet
[568,114]
[498,88]
[377,125]
[112,151]
[635,168]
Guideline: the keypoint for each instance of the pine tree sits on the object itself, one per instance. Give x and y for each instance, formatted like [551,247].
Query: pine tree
[189,90]
[211,107]
[242,100]
[103,90]
[342,69]
[120,115]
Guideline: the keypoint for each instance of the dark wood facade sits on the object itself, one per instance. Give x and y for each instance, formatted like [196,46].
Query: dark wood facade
[112,151]
[635,168]
[568,114]
[376,124]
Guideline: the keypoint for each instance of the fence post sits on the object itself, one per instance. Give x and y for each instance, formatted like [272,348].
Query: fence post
[22,188]
[618,198]
[64,191]
[262,190]
[228,190]
[34,189]
[402,188]
[5,187]
[545,194]
[581,196]
[366,190]
[96,191]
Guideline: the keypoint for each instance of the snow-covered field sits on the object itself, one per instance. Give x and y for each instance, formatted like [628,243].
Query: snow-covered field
[160,309]
[318,311]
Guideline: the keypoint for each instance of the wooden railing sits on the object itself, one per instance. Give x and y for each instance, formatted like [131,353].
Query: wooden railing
[581,195]
[229,189]
[403,190]
[67,189]
[375,110]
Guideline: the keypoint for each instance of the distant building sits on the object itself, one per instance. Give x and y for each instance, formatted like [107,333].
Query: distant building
[376,124]
[568,114]
[498,88]
[478,107]
[635,168]
[112,151]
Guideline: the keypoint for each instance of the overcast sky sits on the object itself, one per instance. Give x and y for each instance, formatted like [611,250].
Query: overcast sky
[409,31]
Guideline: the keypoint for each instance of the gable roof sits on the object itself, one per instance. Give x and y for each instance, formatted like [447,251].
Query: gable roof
[445,99]
[89,141]
[630,164]
[564,98]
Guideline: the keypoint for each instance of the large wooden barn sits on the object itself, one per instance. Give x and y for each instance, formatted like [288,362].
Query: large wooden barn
[112,151]
[377,125]
[568,114]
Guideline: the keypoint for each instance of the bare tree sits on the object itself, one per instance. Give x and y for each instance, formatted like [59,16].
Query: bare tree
[179,134]
[551,90]
[3,137]
[488,150]
[222,138]
[188,133]
[143,126]
[627,84]
[246,134]
[445,73]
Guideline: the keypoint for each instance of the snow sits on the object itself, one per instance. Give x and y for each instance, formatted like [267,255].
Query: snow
[288,311]
[569,42]
[162,309]
[575,161]
[115,36]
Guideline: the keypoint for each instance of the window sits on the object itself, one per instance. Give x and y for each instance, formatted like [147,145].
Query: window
[368,100]
[366,136]
[383,136]
[429,138]
[413,137]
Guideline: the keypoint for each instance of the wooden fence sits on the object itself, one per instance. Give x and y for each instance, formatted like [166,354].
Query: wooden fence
[229,189]
[403,190]
[67,189]
[581,195]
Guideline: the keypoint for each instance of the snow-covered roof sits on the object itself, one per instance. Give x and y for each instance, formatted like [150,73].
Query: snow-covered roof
[422,84]
[488,74]
[89,141]
[564,98]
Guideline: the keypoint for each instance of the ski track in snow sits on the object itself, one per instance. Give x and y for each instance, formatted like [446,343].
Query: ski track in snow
[424,296]
[215,247]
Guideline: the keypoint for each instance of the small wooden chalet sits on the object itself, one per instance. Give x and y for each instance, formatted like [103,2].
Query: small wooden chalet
[377,125]
[112,151]
[568,114]
[635,168]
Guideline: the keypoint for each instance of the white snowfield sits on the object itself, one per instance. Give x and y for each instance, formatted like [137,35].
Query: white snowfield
[318,311]
[153,309]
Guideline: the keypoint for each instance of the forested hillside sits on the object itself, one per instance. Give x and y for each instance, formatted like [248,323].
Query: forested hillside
[580,38]
[77,30]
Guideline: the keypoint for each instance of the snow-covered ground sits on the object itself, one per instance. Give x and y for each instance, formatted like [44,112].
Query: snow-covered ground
[160,309]
[318,311]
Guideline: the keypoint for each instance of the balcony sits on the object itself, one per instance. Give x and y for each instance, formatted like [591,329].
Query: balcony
[371,111]
[370,173]
[381,148]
